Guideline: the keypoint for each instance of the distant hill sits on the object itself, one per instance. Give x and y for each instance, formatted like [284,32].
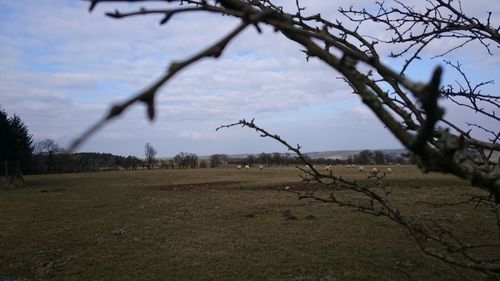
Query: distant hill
[334,154]
[344,154]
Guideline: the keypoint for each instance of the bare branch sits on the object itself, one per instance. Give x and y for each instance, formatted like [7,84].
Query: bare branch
[434,239]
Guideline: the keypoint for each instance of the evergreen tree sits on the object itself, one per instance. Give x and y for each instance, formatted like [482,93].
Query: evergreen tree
[16,144]
[22,145]
[5,136]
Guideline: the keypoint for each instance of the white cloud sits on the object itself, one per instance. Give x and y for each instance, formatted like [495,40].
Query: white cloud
[363,114]
[62,68]
[193,135]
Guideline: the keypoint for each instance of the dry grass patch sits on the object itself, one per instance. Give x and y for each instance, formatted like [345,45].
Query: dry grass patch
[213,224]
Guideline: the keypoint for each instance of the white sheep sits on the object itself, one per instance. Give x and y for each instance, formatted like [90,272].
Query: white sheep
[374,171]
[361,168]
[247,167]
[328,167]
[239,167]
[261,167]
[348,166]
[389,170]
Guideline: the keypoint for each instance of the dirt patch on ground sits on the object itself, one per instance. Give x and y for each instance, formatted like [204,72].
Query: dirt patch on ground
[224,184]
[197,186]
[301,186]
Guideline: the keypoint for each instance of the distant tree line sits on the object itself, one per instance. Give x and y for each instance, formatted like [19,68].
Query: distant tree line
[266,159]
[20,154]
[60,162]
[49,157]
[378,157]
[364,157]
[185,160]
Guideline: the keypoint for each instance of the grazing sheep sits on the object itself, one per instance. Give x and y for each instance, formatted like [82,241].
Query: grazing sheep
[389,170]
[375,171]
[348,166]
[261,167]
[239,167]
[361,168]
[247,167]
[328,167]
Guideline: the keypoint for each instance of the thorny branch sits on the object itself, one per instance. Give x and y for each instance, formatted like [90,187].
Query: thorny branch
[433,238]
[471,93]
[417,28]
[409,109]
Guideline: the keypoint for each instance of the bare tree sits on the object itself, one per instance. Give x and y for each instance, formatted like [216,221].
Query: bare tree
[409,109]
[150,153]
[217,160]
[186,160]
[46,147]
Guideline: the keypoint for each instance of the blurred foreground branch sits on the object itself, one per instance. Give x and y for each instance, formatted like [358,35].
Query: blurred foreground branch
[409,109]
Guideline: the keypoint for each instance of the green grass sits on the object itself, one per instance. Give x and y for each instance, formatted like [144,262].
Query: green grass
[194,225]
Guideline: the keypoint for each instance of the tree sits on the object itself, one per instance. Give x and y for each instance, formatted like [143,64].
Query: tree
[131,162]
[264,158]
[5,135]
[351,159]
[203,164]
[16,145]
[216,160]
[45,155]
[179,160]
[186,160]
[250,160]
[46,147]
[365,157]
[379,157]
[192,160]
[22,145]
[277,159]
[150,153]
[409,109]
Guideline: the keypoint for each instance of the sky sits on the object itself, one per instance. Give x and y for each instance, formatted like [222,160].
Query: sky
[61,68]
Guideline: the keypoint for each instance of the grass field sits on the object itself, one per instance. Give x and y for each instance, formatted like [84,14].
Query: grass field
[216,224]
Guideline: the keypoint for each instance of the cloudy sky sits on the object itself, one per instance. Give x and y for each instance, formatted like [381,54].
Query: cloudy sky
[61,68]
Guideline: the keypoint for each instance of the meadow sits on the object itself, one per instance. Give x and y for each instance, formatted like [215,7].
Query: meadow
[218,224]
